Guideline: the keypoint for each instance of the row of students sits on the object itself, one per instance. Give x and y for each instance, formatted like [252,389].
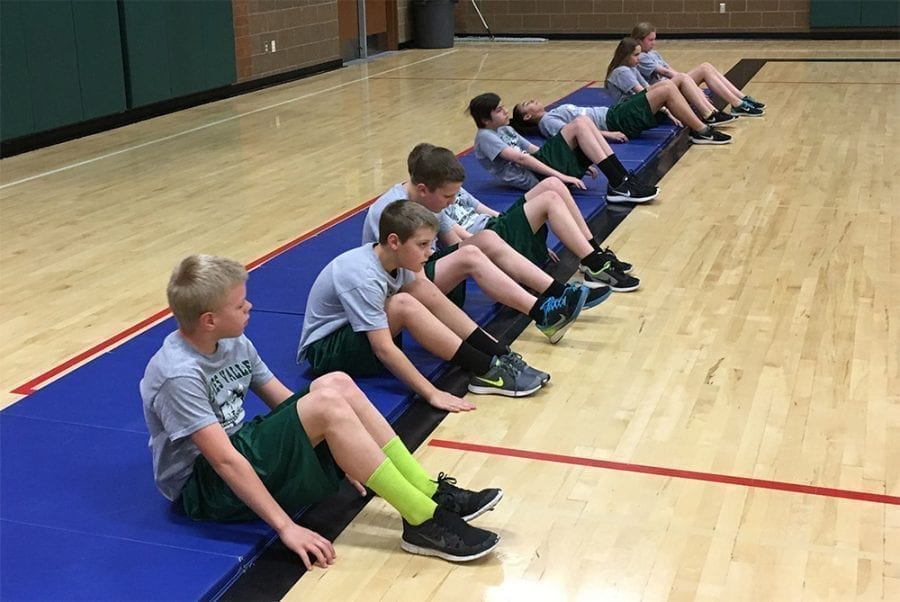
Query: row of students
[217,466]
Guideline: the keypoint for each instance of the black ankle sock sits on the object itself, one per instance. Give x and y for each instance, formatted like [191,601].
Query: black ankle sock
[556,289]
[596,245]
[594,261]
[484,343]
[613,169]
[469,358]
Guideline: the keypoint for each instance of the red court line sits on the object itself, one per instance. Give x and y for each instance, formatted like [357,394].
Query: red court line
[31,386]
[669,472]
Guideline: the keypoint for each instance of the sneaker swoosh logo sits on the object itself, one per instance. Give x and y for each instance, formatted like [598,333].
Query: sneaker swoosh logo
[557,324]
[497,382]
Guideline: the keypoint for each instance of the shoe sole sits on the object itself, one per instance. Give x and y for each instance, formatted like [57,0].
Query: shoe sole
[505,392]
[599,300]
[750,114]
[486,508]
[583,269]
[702,141]
[631,199]
[422,551]
[624,289]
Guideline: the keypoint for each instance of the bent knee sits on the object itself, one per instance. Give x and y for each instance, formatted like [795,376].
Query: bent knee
[339,381]
[472,255]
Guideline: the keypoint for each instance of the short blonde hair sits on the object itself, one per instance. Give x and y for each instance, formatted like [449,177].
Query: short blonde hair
[199,284]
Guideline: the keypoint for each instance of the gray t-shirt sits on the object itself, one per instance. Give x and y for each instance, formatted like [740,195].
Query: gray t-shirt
[352,289]
[184,391]
[488,146]
[462,212]
[373,215]
[647,64]
[555,119]
[621,82]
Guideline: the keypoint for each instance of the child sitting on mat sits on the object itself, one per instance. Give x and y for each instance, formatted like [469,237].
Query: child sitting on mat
[219,467]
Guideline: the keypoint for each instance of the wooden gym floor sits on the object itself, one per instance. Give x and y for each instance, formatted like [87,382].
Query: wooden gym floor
[759,358]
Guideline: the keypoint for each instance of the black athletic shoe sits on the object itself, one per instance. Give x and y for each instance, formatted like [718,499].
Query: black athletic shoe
[616,263]
[745,109]
[466,504]
[558,313]
[720,118]
[753,102]
[447,536]
[519,362]
[710,136]
[617,281]
[630,191]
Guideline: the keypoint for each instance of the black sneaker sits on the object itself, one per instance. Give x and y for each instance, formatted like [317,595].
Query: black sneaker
[468,505]
[745,109]
[519,362]
[630,191]
[617,264]
[753,102]
[559,313]
[617,281]
[710,136]
[447,536]
[505,379]
[719,118]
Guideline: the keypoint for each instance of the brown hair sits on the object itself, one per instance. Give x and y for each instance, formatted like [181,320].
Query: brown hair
[625,48]
[642,30]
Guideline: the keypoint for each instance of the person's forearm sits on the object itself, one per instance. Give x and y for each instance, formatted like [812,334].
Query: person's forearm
[399,365]
[239,475]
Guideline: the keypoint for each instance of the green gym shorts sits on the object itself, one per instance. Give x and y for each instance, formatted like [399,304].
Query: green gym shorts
[557,153]
[513,227]
[346,351]
[294,472]
[633,116]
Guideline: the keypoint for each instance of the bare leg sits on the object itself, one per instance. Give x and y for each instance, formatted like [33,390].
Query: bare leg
[450,317]
[440,334]
[717,82]
[372,420]
[666,94]
[496,268]
[549,208]
[582,133]
[694,94]
[325,414]
[556,185]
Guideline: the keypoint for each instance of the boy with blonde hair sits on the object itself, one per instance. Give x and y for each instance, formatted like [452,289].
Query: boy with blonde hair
[218,467]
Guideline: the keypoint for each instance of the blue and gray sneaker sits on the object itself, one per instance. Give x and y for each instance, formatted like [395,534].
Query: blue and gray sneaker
[558,313]
[519,362]
[504,378]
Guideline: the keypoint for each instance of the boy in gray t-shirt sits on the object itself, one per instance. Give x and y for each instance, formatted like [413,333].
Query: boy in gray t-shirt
[364,298]
[221,468]
[568,155]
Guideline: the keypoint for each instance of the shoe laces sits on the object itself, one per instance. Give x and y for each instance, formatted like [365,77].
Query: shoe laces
[553,303]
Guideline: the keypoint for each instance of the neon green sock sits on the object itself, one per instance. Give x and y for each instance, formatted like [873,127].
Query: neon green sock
[412,504]
[411,470]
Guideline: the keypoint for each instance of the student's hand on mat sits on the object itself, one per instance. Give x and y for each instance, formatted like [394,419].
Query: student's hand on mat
[576,182]
[358,486]
[311,547]
[617,136]
[553,256]
[677,123]
[451,403]
[595,173]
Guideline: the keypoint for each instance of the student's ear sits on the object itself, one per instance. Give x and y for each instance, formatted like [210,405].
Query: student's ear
[393,241]
[422,189]
[207,321]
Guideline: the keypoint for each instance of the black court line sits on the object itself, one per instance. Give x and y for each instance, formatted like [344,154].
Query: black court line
[278,569]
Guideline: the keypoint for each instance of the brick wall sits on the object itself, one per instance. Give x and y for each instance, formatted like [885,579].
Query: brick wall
[305,34]
[619,16]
